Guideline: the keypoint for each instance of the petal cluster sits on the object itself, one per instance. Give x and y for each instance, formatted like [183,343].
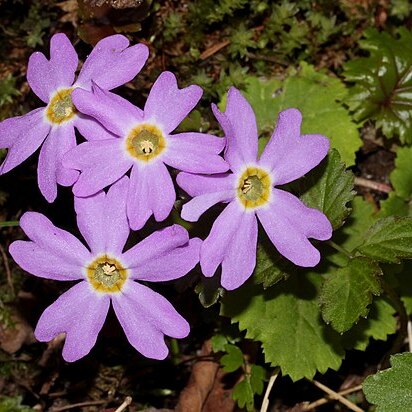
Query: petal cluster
[250,189]
[111,64]
[80,312]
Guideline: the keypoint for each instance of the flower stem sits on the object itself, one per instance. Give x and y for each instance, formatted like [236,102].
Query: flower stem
[339,249]
[10,223]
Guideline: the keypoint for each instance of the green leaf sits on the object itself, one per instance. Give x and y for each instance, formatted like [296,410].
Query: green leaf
[395,206]
[404,286]
[328,188]
[233,359]
[383,82]
[286,319]
[270,266]
[347,293]
[389,240]
[391,389]
[243,394]
[380,323]
[257,377]
[401,177]
[316,95]
[218,343]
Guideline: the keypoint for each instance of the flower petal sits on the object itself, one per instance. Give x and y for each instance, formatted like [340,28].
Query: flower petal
[39,261]
[91,129]
[25,135]
[192,210]
[58,242]
[138,202]
[50,169]
[116,114]
[112,63]
[196,185]
[80,314]
[167,104]
[215,246]
[170,265]
[146,317]
[239,124]
[47,76]
[157,244]
[195,153]
[289,223]
[102,218]
[101,163]
[240,258]
[151,191]
[289,154]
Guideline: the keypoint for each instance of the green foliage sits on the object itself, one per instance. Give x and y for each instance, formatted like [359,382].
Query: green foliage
[329,189]
[233,359]
[380,323]
[391,389]
[9,404]
[383,83]
[401,177]
[35,24]
[8,90]
[252,384]
[286,319]
[317,96]
[347,293]
[396,206]
[388,240]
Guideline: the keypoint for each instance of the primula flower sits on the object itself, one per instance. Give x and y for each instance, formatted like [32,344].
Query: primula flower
[106,274]
[143,143]
[250,191]
[110,64]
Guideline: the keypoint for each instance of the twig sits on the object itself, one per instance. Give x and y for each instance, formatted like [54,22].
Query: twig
[265,403]
[370,184]
[78,405]
[270,59]
[410,335]
[337,396]
[214,49]
[125,404]
[324,400]
[7,268]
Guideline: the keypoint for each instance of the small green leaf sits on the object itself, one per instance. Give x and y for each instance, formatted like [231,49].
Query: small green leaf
[257,378]
[401,177]
[380,323]
[243,394]
[286,319]
[233,359]
[347,293]
[389,240]
[328,188]
[391,389]
[218,343]
[383,82]
[316,95]
[395,206]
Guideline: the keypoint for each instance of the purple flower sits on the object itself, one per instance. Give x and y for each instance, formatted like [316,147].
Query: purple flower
[106,274]
[250,191]
[143,143]
[110,64]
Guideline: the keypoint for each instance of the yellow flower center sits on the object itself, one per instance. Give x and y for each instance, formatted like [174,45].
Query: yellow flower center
[106,274]
[145,142]
[254,187]
[61,107]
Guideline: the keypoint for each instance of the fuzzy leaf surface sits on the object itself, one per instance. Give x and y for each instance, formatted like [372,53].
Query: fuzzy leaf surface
[383,82]
[380,323]
[401,177]
[286,319]
[328,188]
[389,240]
[347,293]
[391,389]
[317,96]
